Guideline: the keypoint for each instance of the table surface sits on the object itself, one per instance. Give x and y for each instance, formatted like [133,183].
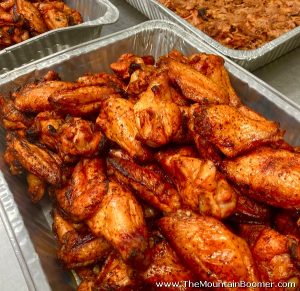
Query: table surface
[283,74]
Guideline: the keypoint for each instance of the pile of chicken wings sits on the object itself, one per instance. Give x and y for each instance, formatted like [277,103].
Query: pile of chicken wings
[22,19]
[158,173]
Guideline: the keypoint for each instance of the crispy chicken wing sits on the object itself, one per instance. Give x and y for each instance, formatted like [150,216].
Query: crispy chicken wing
[233,130]
[128,63]
[157,118]
[78,248]
[11,117]
[194,85]
[166,267]
[34,97]
[82,196]
[148,184]
[53,14]
[78,137]
[81,101]
[117,121]
[32,16]
[212,66]
[140,78]
[46,125]
[209,248]
[116,275]
[268,175]
[125,228]
[36,160]
[102,79]
[201,187]
[273,254]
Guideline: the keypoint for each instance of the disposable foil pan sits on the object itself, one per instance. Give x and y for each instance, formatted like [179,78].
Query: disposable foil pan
[249,59]
[29,225]
[95,13]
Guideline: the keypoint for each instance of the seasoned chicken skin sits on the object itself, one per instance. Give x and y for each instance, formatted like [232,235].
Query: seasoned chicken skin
[209,248]
[33,98]
[116,275]
[147,183]
[32,15]
[78,137]
[157,117]
[116,119]
[268,175]
[233,130]
[250,211]
[36,160]
[125,229]
[274,256]
[81,101]
[201,187]
[194,85]
[46,125]
[78,248]
[166,267]
[212,66]
[82,196]
[11,117]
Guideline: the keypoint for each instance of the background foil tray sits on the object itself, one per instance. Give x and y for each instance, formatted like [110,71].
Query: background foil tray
[250,59]
[95,13]
[28,225]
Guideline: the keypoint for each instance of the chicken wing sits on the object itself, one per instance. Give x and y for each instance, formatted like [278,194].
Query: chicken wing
[116,275]
[128,63]
[82,196]
[273,254]
[102,79]
[201,187]
[148,184]
[36,160]
[125,228]
[212,66]
[209,248]
[268,175]
[11,117]
[117,121]
[233,130]
[166,267]
[45,127]
[53,14]
[157,118]
[194,85]
[32,16]
[78,137]
[33,98]
[76,248]
[81,101]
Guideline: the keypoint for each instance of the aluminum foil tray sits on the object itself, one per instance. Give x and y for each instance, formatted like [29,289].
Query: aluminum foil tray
[28,225]
[251,59]
[95,13]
